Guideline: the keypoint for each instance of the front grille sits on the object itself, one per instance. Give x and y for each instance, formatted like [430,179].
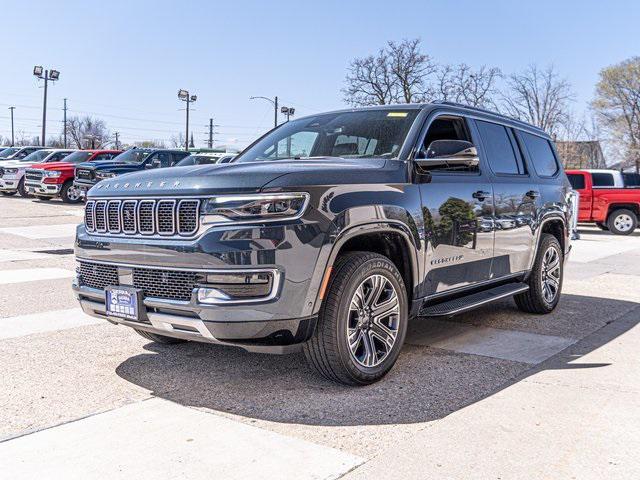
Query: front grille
[33,175]
[84,174]
[97,276]
[164,284]
[143,217]
[173,284]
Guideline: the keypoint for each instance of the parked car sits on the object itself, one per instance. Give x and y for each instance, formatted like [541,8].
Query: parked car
[205,159]
[50,180]
[328,233]
[606,201]
[135,159]
[12,172]
[17,153]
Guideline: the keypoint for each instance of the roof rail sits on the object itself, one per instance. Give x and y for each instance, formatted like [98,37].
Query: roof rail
[484,110]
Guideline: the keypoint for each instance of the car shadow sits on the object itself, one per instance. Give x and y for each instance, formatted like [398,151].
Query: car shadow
[426,384]
[597,231]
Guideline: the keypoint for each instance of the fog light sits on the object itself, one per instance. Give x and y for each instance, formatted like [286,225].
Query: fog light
[212,296]
[238,287]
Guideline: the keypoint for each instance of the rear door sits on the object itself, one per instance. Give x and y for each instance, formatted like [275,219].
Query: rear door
[516,197]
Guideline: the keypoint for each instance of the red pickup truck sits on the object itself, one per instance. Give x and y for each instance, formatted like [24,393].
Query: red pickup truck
[607,198]
[49,180]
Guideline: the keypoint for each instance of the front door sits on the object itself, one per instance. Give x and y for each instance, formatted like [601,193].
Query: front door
[457,207]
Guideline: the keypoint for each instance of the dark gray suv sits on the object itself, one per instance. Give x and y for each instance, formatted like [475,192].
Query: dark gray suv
[330,233]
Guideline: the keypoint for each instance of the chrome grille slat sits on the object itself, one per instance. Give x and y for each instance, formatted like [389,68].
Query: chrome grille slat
[161,217]
[113,216]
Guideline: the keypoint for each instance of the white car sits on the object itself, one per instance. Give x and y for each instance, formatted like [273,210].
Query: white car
[12,171]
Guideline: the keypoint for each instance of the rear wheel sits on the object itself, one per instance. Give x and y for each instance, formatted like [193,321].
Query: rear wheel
[362,322]
[154,337]
[69,193]
[545,280]
[22,190]
[622,222]
[8,194]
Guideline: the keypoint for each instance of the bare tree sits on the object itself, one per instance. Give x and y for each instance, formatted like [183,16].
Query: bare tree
[177,141]
[87,132]
[617,103]
[539,97]
[398,73]
[462,84]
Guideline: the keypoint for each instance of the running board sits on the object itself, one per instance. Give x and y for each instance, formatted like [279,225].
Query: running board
[469,302]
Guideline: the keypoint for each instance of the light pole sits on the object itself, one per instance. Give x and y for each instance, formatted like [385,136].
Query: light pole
[273,102]
[46,75]
[186,97]
[12,109]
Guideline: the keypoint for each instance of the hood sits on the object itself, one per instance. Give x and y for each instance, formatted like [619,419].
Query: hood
[235,177]
[103,164]
[55,166]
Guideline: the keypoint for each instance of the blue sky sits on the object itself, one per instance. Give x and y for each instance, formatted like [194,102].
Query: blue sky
[124,61]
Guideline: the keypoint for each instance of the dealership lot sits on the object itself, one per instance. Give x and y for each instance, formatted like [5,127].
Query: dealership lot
[80,397]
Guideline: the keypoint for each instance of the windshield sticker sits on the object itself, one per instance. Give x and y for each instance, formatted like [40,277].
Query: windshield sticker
[397,114]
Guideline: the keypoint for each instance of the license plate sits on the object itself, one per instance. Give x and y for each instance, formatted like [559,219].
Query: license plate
[124,302]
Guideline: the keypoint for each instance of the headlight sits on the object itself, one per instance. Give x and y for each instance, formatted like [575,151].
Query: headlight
[52,173]
[11,171]
[266,207]
[104,175]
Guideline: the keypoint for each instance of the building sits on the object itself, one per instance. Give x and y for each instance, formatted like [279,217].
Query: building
[583,154]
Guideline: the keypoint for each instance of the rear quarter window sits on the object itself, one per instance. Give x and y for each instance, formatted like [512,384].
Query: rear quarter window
[602,180]
[541,154]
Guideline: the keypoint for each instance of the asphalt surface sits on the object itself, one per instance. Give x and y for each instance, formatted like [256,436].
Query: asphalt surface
[183,411]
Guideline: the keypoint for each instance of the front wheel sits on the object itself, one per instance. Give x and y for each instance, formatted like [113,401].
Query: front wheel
[545,279]
[362,322]
[70,194]
[622,222]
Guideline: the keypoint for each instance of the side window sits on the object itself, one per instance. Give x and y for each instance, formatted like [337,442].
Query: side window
[102,156]
[448,128]
[541,154]
[602,180]
[502,153]
[576,180]
[177,157]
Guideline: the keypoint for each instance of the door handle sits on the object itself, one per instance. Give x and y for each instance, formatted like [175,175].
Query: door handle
[532,194]
[481,195]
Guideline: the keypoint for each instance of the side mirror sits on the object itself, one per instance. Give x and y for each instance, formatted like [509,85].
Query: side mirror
[448,153]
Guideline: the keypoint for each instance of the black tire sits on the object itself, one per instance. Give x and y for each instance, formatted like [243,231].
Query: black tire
[9,194]
[533,300]
[43,199]
[22,190]
[154,337]
[328,350]
[69,193]
[622,222]
[602,226]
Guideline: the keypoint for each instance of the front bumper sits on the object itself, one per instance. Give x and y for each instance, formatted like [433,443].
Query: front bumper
[278,324]
[41,188]
[8,184]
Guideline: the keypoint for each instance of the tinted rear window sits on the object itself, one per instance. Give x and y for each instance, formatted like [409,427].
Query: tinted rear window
[602,180]
[499,148]
[576,180]
[631,179]
[541,154]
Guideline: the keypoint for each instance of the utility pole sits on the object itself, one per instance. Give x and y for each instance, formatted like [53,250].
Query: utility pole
[52,75]
[117,134]
[210,143]
[64,132]
[12,109]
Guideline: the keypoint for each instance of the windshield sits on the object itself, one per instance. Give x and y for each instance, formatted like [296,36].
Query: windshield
[359,134]
[134,155]
[78,157]
[8,151]
[37,156]
[197,160]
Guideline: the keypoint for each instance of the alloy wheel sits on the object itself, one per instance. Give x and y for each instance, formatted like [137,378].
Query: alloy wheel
[374,318]
[550,274]
[623,222]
